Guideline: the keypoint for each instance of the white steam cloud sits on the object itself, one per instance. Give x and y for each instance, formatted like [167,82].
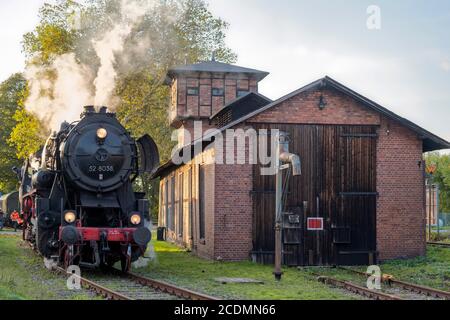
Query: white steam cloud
[112,44]
[106,49]
[58,92]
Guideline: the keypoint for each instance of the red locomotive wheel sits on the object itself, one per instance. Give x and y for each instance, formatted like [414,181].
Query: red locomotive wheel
[68,258]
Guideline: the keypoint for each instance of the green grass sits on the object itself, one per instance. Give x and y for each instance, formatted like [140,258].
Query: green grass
[443,235]
[23,276]
[182,268]
[433,270]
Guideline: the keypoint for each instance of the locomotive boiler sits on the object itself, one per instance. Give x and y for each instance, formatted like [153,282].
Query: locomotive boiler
[77,194]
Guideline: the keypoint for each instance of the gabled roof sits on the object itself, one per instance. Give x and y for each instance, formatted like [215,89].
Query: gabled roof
[239,107]
[431,141]
[216,67]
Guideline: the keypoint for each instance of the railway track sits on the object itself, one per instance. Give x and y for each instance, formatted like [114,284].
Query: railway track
[439,244]
[169,288]
[117,286]
[354,288]
[409,291]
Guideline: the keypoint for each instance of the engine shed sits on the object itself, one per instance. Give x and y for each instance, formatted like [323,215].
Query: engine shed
[360,197]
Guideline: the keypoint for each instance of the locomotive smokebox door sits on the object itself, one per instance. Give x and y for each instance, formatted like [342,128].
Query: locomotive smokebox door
[148,154]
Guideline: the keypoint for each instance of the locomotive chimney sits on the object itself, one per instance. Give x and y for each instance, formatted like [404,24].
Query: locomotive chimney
[103,109]
[64,126]
[89,109]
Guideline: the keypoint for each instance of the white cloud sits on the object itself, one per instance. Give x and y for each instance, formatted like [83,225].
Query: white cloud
[384,79]
[296,53]
[16,18]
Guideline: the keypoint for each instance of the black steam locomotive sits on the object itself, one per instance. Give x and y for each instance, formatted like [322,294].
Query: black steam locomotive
[77,195]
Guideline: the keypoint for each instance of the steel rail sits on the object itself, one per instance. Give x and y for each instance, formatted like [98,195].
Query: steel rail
[440,244]
[432,292]
[169,288]
[98,289]
[151,283]
[357,289]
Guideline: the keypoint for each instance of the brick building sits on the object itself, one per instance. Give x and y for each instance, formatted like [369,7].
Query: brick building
[363,172]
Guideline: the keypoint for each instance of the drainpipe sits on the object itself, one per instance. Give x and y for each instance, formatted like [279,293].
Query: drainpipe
[290,160]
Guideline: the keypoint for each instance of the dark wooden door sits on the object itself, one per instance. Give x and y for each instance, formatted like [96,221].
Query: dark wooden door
[338,184]
[353,223]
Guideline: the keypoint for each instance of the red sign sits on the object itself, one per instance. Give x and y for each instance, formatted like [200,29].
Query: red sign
[315,224]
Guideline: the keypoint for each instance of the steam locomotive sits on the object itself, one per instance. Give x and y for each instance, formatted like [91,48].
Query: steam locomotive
[77,195]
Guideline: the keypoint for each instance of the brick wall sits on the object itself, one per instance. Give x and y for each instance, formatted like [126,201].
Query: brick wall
[303,108]
[400,206]
[205,247]
[191,239]
[233,209]
[400,183]
[205,104]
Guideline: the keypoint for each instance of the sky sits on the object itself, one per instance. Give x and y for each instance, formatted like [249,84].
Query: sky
[404,65]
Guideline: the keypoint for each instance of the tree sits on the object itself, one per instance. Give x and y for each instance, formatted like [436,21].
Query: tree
[54,34]
[10,96]
[174,32]
[28,136]
[441,177]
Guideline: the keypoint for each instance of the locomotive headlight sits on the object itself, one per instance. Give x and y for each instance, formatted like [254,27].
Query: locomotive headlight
[102,133]
[135,219]
[70,216]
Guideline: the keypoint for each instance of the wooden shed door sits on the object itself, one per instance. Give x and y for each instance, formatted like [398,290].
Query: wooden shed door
[337,184]
[353,220]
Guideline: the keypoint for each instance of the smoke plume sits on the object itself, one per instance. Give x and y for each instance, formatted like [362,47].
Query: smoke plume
[59,91]
[56,93]
[112,45]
